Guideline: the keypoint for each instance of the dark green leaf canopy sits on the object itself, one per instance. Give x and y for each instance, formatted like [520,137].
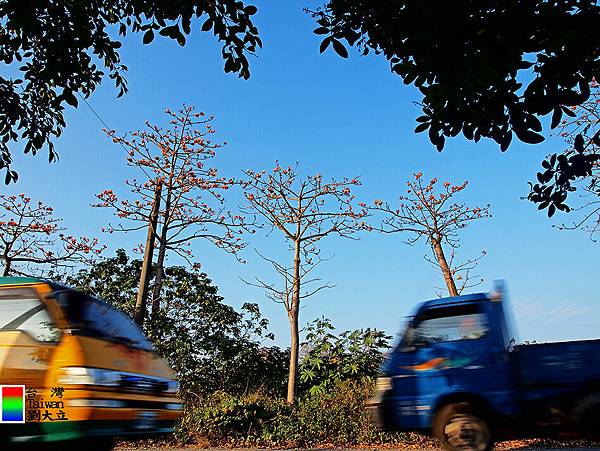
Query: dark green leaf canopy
[209,344]
[485,68]
[63,48]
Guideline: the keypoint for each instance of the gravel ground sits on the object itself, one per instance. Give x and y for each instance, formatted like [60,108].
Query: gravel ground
[523,448]
[420,443]
[509,445]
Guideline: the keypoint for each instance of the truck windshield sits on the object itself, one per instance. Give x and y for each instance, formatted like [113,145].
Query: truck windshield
[436,325]
[92,317]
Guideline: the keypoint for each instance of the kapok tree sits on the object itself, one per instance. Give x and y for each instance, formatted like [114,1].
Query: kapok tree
[305,210]
[425,213]
[577,168]
[32,241]
[174,169]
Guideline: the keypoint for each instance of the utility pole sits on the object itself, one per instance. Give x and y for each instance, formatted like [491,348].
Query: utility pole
[142,295]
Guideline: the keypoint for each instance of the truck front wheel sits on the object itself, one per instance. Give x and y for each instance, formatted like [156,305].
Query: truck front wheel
[461,426]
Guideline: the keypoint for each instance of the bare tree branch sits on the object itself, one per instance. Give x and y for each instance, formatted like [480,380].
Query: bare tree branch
[34,243]
[306,210]
[432,215]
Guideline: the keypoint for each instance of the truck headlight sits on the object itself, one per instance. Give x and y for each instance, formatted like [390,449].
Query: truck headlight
[79,375]
[383,383]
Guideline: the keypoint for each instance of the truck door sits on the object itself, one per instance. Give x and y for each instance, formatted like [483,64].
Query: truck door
[458,350]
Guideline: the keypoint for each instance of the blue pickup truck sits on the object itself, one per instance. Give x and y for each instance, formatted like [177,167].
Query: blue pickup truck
[457,373]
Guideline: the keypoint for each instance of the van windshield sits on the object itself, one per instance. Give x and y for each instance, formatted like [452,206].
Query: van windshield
[92,317]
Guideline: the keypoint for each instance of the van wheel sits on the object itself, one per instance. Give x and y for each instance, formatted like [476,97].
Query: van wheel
[461,426]
[102,445]
[93,444]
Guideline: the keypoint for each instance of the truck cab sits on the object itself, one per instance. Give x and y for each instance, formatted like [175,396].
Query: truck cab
[455,372]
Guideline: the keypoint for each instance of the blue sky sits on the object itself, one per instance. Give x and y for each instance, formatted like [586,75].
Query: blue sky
[340,118]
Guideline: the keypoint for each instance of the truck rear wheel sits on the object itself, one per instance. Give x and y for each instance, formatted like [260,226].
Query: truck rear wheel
[587,415]
[461,426]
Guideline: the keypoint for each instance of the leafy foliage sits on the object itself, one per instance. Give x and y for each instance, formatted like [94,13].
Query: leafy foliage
[210,345]
[63,48]
[577,166]
[337,379]
[485,68]
[232,385]
[225,419]
[336,417]
[351,355]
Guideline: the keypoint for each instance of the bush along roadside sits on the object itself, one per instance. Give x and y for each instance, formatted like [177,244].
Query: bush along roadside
[335,417]
[336,378]
[232,382]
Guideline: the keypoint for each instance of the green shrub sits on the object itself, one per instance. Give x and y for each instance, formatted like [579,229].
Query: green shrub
[210,345]
[335,417]
[225,419]
[329,358]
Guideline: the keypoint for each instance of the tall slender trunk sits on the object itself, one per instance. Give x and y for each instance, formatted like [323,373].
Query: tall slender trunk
[140,302]
[7,264]
[158,278]
[6,259]
[295,335]
[294,353]
[446,271]
[160,261]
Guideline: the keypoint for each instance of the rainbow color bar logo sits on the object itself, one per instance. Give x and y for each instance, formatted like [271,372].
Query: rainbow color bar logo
[13,403]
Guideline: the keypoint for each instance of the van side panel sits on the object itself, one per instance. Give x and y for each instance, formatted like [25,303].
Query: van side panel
[57,410]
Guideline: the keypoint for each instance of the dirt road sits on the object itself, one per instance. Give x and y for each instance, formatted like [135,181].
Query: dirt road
[503,446]
[344,449]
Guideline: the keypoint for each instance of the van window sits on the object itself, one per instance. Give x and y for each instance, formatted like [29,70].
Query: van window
[92,317]
[449,324]
[21,309]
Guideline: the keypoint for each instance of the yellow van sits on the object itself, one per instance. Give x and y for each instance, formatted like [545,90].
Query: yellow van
[89,373]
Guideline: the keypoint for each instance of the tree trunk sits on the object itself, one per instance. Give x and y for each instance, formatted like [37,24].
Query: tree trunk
[7,264]
[446,271]
[160,261]
[140,302]
[294,353]
[293,317]
[7,260]
[158,278]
